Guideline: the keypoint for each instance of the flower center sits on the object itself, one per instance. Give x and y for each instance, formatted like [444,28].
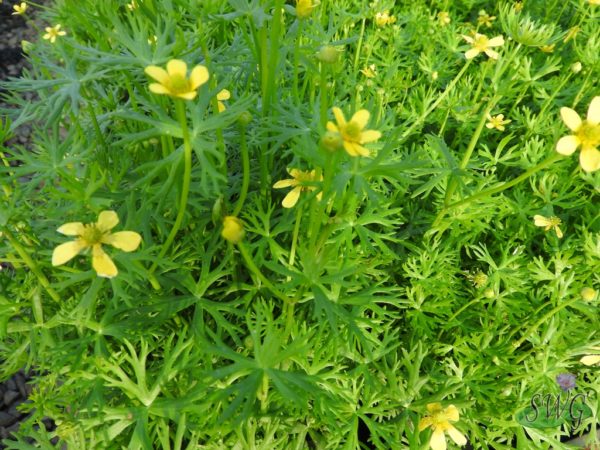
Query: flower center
[352,131]
[588,134]
[91,234]
[178,84]
[481,43]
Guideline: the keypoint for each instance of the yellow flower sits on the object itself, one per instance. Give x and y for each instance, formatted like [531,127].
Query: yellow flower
[153,39]
[299,181]
[571,33]
[369,71]
[384,18]
[233,229]
[53,32]
[548,223]
[588,294]
[443,18]
[590,360]
[594,2]
[132,5]
[497,122]
[485,19]
[439,420]
[480,43]
[352,132]
[224,94]
[548,48]
[586,134]
[174,81]
[304,8]
[94,235]
[20,9]
[518,6]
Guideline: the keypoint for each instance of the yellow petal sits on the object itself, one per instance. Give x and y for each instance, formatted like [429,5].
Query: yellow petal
[220,106]
[339,116]
[369,136]
[567,145]
[425,422]
[224,95]
[127,241]
[496,41]
[457,436]
[107,220]
[159,89]
[349,147]
[102,263]
[540,221]
[187,95]
[438,440]
[434,407]
[469,39]
[361,118]
[332,127]
[198,77]
[472,53]
[491,53]
[357,150]
[589,158]
[451,413]
[292,197]
[593,115]
[570,118]
[559,232]
[67,251]
[158,73]
[71,229]
[285,183]
[590,360]
[177,67]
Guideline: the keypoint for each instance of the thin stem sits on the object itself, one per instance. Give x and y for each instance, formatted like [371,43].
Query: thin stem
[187,176]
[297,60]
[323,97]
[295,236]
[359,45]
[245,171]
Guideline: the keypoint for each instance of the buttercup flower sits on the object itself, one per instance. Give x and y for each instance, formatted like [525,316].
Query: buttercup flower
[369,71]
[174,81]
[304,8]
[594,2]
[480,43]
[224,94]
[588,294]
[53,32]
[233,229]
[132,5]
[586,133]
[548,223]
[20,9]
[352,132]
[485,19]
[497,122]
[548,48]
[590,360]
[94,235]
[384,18]
[298,182]
[443,18]
[439,420]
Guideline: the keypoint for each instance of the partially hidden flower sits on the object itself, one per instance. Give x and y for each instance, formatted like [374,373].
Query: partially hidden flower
[174,81]
[590,360]
[481,44]
[548,48]
[548,223]
[566,381]
[586,133]
[439,420]
[497,122]
[299,182]
[233,229]
[223,95]
[369,71]
[443,18]
[132,5]
[20,9]
[92,236]
[485,19]
[53,32]
[594,2]
[383,18]
[353,132]
[304,8]
[572,33]
[588,294]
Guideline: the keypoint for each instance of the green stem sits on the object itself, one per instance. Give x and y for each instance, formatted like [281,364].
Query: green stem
[359,45]
[323,98]
[297,60]
[32,265]
[187,176]
[295,236]
[245,169]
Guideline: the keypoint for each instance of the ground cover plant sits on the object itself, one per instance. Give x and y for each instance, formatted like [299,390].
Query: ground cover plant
[299,225]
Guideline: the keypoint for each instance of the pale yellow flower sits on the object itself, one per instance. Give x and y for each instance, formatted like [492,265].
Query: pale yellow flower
[590,360]
[233,229]
[20,9]
[548,48]
[132,5]
[304,8]
[370,71]
[300,182]
[53,32]
[518,6]
[443,18]
[439,420]
[594,2]
[93,236]
[352,132]
[497,122]
[485,19]
[588,294]
[223,95]
[384,18]
[586,133]
[481,44]
[548,223]
[174,81]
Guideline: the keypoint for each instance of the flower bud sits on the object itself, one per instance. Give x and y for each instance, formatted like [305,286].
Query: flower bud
[332,141]
[233,229]
[576,67]
[328,54]
[26,46]
[588,294]
[245,118]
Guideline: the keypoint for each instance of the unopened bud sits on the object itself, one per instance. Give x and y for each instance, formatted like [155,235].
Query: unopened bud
[588,294]
[245,118]
[233,229]
[576,67]
[332,141]
[328,54]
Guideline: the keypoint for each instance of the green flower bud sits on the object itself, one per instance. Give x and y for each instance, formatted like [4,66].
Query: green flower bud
[328,54]
[332,141]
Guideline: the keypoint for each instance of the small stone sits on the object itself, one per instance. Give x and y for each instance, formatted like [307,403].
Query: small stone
[10,397]
[11,384]
[21,385]
[6,419]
